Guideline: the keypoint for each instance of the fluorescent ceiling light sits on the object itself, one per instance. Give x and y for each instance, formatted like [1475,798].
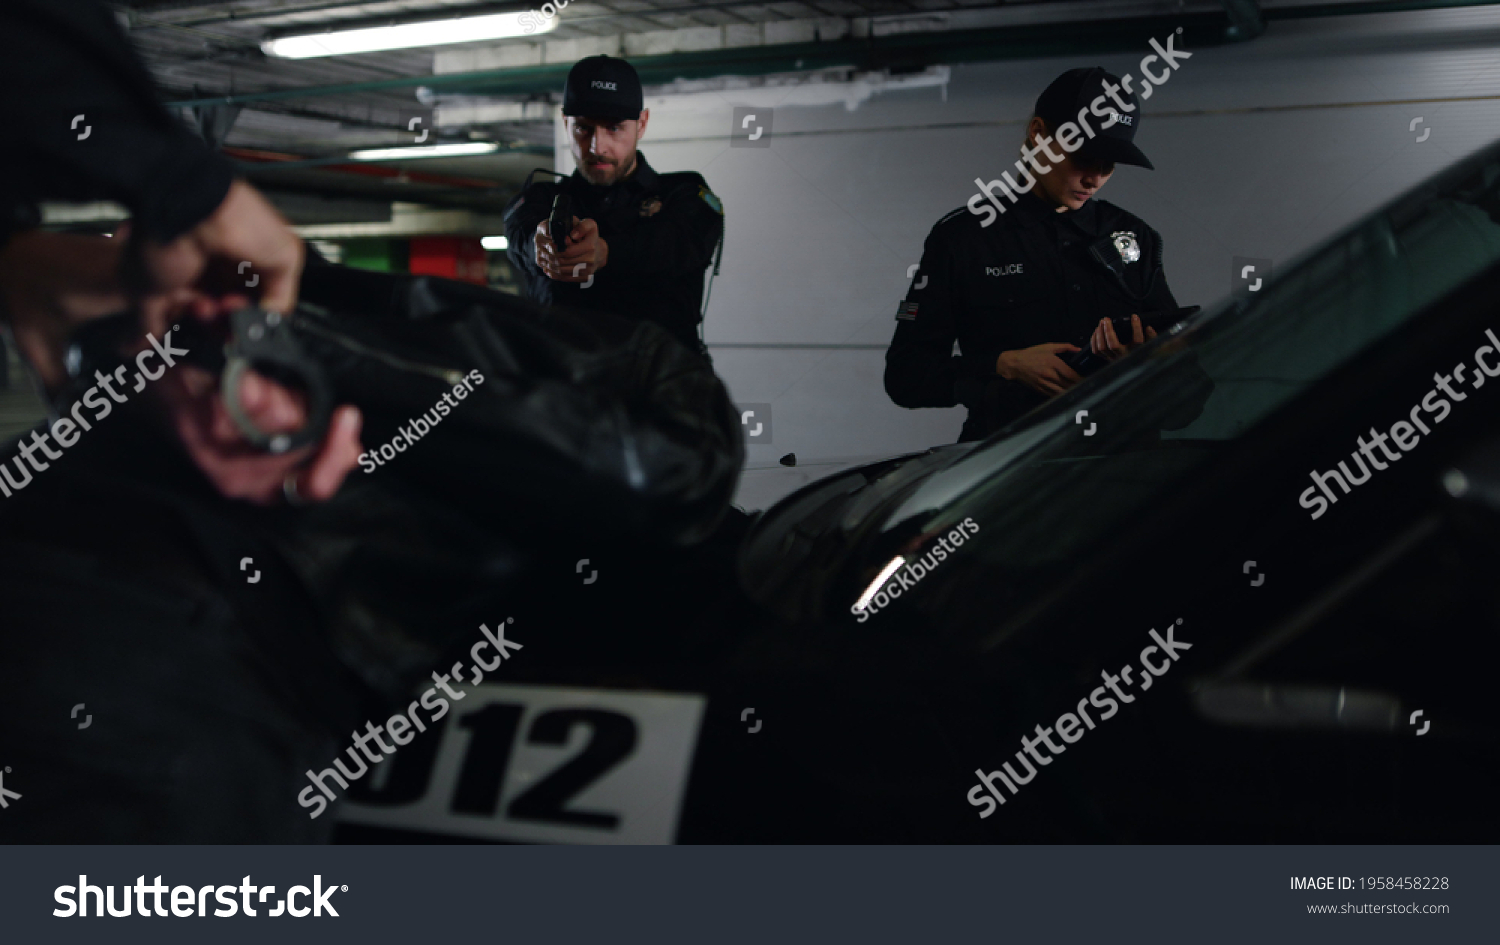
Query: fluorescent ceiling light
[425,151]
[463,29]
[494,243]
[879,582]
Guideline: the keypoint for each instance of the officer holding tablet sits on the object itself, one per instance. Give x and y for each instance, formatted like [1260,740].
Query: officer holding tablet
[1026,287]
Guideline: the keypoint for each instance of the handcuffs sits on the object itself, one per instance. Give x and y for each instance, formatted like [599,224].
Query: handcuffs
[263,340]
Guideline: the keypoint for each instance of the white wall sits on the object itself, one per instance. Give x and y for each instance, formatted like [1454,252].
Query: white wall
[1261,149]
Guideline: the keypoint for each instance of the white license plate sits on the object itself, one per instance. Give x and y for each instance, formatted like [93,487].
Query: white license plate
[540,763]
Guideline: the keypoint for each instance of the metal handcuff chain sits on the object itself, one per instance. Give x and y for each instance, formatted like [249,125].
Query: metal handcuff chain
[263,340]
[267,341]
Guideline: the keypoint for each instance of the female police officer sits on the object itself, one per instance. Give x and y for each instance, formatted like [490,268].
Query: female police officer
[1020,287]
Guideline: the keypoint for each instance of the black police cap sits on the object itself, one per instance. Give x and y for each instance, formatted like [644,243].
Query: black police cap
[1074,91]
[603,87]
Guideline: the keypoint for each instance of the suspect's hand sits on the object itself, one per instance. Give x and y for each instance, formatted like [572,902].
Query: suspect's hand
[50,283]
[1107,345]
[1040,367]
[212,258]
[241,471]
[586,253]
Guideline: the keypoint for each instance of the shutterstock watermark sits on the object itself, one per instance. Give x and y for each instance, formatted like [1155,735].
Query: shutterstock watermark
[400,726]
[1072,726]
[65,429]
[414,430]
[184,899]
[1069,134]
[1364,908]
[5,795]
[1403,433]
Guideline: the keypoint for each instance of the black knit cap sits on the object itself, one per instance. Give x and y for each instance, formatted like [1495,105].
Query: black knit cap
[603,87]
[1074,91]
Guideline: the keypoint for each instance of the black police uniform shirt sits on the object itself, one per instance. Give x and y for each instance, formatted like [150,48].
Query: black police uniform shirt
[661,230]
[1027,279]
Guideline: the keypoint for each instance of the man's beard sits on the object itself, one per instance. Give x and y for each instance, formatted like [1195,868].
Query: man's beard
[600,176]
[610,174]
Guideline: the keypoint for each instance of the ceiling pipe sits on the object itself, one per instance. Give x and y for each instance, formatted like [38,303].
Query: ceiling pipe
[902,51]
[274,161]
[149,19]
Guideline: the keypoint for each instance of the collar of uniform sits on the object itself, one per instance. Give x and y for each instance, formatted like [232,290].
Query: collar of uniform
[1086,217]
[1033,210]
[1038,212]
[645,176]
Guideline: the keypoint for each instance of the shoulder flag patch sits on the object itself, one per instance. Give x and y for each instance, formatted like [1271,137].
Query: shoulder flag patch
[906,312]
[711,200]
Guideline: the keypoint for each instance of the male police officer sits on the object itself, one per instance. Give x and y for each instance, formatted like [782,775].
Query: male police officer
[641,240]
[1021,295]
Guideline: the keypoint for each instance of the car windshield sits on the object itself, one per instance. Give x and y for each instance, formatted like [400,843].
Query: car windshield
[1052,484]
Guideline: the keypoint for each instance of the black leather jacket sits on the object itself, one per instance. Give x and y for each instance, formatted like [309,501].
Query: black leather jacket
[127,586]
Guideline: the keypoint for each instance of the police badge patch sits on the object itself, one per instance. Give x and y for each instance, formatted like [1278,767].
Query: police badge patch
[712,200]
[1126,246]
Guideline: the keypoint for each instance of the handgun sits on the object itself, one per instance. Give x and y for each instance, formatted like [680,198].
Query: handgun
[560,224]
[1086,362]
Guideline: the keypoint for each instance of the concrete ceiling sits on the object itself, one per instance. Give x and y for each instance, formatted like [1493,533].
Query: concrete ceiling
[291,121]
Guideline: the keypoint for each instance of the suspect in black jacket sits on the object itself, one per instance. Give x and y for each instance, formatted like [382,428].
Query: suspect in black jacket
[88,125]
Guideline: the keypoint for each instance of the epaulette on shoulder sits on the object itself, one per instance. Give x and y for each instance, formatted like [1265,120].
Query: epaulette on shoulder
[692,181]
[682,179]
[959,221]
